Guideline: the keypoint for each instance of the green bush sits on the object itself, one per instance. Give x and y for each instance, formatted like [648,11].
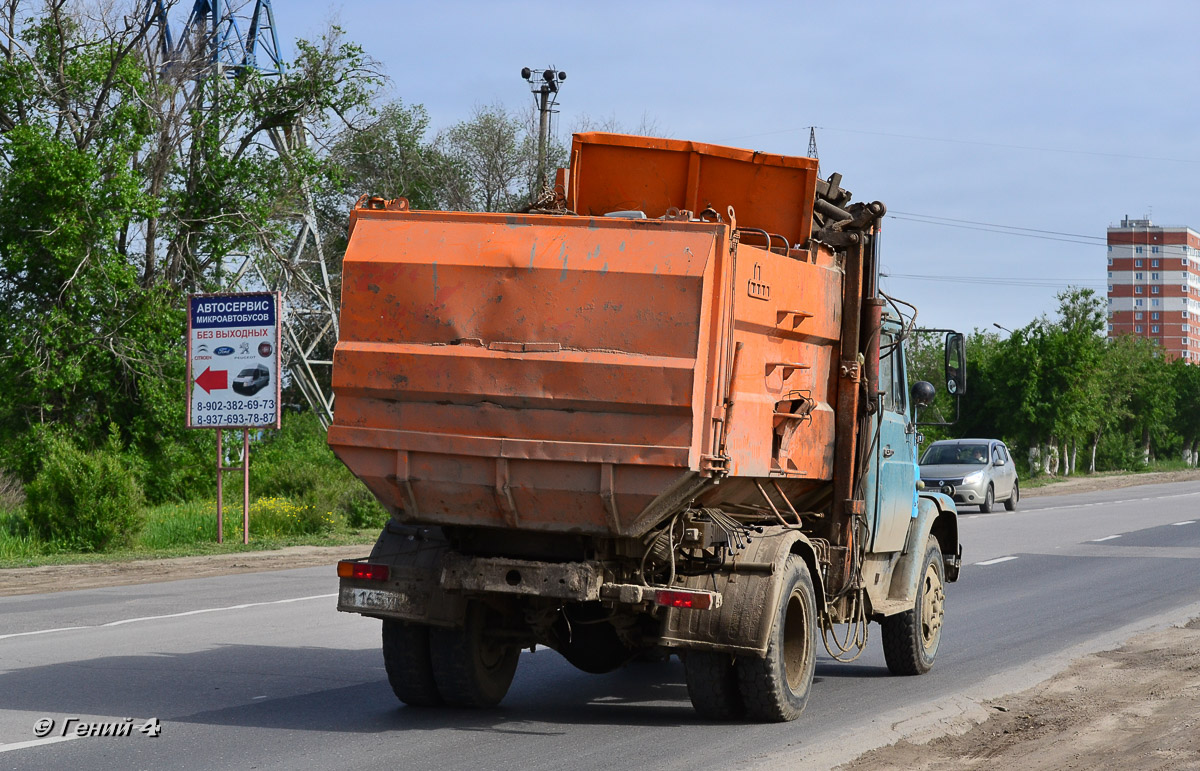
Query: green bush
[361,509]
[85,501]
[295,463]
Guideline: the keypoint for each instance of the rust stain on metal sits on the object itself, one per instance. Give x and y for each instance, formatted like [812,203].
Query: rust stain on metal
[684,352]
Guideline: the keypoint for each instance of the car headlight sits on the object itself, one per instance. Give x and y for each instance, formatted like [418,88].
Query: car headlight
[971,479]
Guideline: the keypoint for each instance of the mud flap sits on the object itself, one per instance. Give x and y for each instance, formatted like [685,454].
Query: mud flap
[750,591]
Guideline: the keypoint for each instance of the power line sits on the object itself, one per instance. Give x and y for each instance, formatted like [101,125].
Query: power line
[992,280]
[1002,229]
[1006,227]
[951,140]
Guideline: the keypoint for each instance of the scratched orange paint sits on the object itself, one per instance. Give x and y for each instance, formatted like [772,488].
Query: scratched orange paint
[559,373]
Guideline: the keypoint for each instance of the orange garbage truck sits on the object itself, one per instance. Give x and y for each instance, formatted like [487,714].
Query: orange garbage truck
[665,410]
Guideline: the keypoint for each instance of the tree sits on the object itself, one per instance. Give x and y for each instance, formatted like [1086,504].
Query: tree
[1187,407]
[121,190]
[496,157]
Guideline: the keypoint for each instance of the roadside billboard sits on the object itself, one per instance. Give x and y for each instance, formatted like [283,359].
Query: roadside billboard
[233,360]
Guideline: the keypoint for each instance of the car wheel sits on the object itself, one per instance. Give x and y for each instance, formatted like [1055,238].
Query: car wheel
[1014,499]
[988,499]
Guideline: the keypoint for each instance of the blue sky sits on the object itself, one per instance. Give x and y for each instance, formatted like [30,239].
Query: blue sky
[1059,117]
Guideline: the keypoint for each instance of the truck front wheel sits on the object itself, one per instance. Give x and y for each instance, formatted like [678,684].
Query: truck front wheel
[406,659]
[470,669]
[911,638]
[775,688]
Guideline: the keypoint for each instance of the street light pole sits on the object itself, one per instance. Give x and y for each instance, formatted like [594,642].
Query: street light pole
[544,84]
[1003,329]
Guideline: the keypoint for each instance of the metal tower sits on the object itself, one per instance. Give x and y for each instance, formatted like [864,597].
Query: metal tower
[212,45]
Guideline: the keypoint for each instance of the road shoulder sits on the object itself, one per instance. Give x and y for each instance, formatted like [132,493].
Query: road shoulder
[62,578]
[1137,706]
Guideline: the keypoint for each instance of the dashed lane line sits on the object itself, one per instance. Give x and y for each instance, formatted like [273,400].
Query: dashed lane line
[1105,538]
[1035,508]
[996,561]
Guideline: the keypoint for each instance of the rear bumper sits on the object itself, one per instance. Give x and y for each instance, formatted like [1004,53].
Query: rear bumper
[437,594]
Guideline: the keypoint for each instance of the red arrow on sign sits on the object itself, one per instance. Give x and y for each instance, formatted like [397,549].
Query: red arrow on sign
[211,380]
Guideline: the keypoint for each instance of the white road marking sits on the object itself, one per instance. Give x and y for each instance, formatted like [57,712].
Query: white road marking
[1184,522]
[36,742]
[996,561]
[1105,503]
[1105,538]
[171,615]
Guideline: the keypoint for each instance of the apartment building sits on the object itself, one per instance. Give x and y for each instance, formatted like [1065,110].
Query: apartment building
[1154,285]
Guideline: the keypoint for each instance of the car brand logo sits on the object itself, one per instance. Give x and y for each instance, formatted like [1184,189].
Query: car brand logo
[224,350]
[202,348]
[264,349]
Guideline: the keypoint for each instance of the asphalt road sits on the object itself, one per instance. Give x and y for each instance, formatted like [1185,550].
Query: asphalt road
[260,671]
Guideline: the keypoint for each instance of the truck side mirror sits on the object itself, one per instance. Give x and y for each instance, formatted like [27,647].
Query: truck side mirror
[956,364]
[923,393]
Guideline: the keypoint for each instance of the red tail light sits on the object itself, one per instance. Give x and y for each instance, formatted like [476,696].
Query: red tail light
[363,570]
[682,598]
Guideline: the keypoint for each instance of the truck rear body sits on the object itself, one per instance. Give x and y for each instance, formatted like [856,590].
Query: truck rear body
[561,373]
[647,418]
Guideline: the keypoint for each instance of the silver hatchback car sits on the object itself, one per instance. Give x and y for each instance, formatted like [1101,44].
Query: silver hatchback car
[972,471]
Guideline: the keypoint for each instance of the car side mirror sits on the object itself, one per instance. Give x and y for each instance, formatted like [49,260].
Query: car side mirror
[956,364]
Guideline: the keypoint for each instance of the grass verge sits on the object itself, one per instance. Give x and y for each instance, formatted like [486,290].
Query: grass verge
[190,529]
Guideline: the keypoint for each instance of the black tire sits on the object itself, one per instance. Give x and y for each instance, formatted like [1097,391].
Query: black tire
[470,669]
[776,688]
[712,685]
[989,500]
[911,638]
[409,669]
[1014,499]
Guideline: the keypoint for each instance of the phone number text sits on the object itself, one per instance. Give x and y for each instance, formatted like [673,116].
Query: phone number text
[234,419]
[227,406]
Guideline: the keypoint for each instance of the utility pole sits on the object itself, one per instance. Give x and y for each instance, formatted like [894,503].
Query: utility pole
[544,84]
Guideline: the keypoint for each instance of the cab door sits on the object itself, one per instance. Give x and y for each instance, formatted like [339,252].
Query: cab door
[894,454]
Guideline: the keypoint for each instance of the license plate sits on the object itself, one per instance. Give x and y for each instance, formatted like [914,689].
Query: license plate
[374,600]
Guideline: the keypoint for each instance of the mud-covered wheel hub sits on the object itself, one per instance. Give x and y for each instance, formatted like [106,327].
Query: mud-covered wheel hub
[933,608]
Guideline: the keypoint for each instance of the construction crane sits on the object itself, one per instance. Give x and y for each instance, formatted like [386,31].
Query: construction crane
[213,45]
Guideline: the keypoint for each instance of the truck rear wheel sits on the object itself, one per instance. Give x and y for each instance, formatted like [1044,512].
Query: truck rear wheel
[775,688]
[712,684]
[911,638]
[406,659]
[470,669]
